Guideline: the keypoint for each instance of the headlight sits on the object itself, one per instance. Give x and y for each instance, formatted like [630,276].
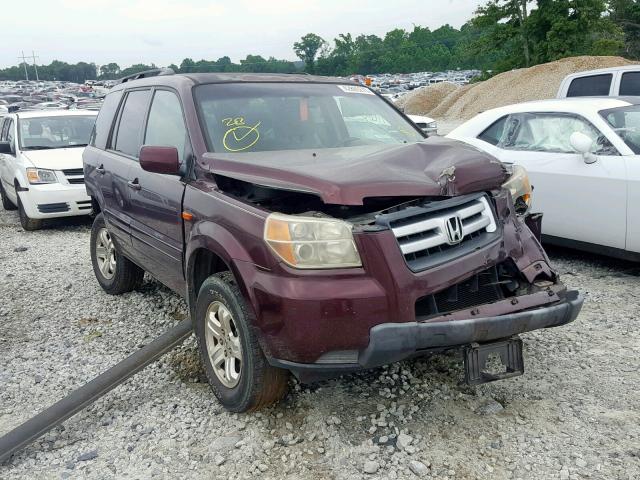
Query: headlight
[520,188]
[432,125]
[38,175]
[307,242]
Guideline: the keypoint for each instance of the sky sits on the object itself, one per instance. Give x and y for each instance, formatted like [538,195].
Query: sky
[166,31]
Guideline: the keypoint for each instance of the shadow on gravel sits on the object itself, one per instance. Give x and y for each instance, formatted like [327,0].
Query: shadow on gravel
[621,267]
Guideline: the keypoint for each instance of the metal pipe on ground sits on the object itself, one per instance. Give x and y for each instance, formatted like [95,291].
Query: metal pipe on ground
[84,396]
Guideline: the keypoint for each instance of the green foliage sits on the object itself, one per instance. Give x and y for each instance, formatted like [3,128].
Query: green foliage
[307,50]
[501,35]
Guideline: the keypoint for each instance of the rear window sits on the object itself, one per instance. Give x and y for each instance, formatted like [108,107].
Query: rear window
[105,120]
[630,83]
[257,117]
[129,138]
[591,86]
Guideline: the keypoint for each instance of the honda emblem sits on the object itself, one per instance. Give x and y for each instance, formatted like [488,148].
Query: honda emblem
[453,228]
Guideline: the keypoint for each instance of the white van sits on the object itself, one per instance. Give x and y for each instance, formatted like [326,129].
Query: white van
[605,82]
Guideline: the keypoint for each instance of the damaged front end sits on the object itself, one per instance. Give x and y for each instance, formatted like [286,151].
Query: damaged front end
[389,274]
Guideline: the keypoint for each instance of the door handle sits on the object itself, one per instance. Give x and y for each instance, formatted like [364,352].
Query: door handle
[134,184]
[100,169]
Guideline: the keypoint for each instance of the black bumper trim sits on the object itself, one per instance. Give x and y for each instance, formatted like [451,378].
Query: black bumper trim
[392,342]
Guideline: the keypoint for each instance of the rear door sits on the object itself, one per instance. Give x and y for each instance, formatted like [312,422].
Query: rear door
[580,201]
[156,199]
[119,158]
[8,160]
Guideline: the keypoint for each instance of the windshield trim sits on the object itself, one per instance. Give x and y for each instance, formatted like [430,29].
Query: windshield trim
[203,125]
[19,131]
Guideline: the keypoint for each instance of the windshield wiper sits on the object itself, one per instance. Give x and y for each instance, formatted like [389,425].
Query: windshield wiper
[74,145]
[38,147]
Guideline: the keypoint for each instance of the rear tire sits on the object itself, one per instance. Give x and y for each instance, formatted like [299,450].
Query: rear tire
[28,224]
[252,383]
[6,203]
[115,273]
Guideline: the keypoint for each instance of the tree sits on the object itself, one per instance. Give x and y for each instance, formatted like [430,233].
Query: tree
[307,49]
[626,15]
[109,71]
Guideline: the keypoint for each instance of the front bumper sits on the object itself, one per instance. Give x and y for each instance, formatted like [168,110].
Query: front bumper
[55,200]
[392,342]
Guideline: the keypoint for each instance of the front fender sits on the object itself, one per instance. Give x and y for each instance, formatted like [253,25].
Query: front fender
[218,240]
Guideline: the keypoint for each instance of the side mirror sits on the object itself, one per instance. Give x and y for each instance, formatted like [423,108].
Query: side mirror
[582,144]
[5,147]
[159,159]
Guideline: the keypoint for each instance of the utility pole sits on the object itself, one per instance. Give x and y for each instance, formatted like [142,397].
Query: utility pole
[24,62]
[33,55]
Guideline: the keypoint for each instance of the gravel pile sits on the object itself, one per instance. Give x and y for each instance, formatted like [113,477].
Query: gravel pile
[573,415]
[525,84]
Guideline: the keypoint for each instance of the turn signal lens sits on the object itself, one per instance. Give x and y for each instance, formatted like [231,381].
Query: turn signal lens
[308,242]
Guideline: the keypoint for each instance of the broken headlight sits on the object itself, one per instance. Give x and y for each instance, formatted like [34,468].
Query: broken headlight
[308,242]
[520,187]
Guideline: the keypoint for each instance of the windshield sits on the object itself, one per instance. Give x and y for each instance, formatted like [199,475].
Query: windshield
[625,121]
[257,117]
[55,132]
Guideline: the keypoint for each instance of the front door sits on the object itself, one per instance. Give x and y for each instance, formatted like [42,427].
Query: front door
[156,199]
[580,201]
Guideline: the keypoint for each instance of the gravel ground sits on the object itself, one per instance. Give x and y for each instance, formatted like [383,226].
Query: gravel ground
[574,414]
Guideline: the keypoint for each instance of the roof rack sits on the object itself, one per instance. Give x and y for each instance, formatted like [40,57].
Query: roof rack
[156,72]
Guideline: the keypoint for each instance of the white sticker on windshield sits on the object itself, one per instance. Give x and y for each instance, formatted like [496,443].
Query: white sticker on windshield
[355,89]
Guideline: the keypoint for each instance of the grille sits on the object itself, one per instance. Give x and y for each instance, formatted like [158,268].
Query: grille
[53,207]
[74,176]
[439,231]
[490,285]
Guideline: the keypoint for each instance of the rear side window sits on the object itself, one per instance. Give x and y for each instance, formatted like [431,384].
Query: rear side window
[493,134]
[129,137]
[165,127]
[105,120]
[594,85]
[630,83]
[8,134]
[4,125]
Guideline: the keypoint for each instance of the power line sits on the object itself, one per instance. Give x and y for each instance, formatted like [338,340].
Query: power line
[33,55]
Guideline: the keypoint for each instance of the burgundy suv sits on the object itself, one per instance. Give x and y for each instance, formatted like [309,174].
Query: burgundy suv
[313,229]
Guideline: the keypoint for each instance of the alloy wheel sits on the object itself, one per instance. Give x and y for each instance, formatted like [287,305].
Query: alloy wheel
[223,344]
[105,254]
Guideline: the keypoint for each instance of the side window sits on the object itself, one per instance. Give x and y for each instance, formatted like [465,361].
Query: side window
[493,134]
[10,135]
[594,85]
[630,83]
[4,126]
[104,121]
[129,137]
[165,126]
[550,132]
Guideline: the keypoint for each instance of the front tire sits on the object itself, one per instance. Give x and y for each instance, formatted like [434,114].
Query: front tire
[115,273]
[28,224]
[6,203]
[237,370]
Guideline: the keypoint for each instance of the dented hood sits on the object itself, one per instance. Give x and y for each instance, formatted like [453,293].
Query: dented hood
[345,176]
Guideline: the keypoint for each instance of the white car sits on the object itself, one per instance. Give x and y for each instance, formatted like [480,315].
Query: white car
[426,124]
[41,164]
[583,159]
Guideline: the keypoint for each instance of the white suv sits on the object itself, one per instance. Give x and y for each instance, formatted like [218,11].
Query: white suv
[41,164]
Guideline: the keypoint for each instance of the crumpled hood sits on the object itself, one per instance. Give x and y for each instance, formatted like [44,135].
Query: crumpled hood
[58,159]
[345,176]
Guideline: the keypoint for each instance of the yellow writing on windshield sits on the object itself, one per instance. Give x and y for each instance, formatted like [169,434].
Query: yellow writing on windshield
[239,136]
